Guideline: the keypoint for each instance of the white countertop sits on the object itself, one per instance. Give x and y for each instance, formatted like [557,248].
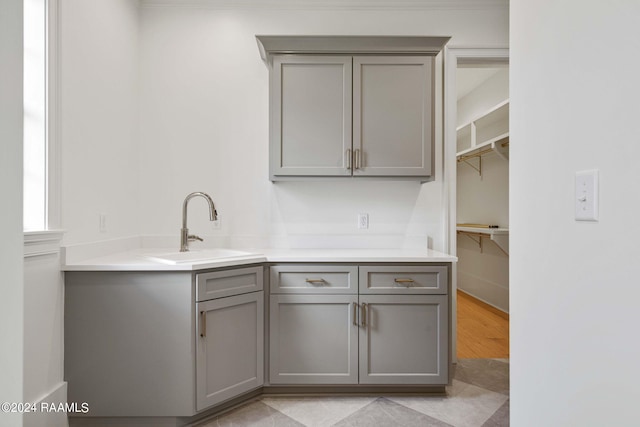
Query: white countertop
[139,259]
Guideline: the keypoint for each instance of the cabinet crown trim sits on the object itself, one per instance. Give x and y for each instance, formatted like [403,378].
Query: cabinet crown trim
[417,45]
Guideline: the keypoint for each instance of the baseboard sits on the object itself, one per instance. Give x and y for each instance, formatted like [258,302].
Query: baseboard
[487,292]
[48,411]
[486,306]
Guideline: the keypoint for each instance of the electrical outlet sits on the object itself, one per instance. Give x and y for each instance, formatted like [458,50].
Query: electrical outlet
[102,224]
[363,221]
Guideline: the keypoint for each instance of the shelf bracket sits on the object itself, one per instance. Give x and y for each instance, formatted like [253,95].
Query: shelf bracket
[501,241]
[501,149]
[477,168]
[471,236]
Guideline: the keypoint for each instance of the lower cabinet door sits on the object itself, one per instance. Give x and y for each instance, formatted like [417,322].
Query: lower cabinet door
[230,348]
[313,339]
[403,339]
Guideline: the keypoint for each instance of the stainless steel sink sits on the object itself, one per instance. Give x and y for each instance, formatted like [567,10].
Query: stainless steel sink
[204,255]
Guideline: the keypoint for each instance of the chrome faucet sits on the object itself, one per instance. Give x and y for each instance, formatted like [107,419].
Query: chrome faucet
[185,237]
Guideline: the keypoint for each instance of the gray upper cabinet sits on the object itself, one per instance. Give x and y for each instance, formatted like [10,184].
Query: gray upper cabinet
[392,115]
[355,116]
[351,106]
[310,116]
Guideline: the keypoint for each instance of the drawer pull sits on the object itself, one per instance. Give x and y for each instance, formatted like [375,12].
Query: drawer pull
[406,282]
[355,314]
[203,324]
[314,281]
[364,314]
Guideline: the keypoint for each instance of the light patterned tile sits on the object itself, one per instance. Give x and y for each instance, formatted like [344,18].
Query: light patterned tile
[318,411]
[500,418]
[465,405]
[255,414]
[492,374]
[385,413]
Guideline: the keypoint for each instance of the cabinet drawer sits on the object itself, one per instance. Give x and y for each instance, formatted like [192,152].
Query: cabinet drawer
[404,280]
[226,283]
[313,279]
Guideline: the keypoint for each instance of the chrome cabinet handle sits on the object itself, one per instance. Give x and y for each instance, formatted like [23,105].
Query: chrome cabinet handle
[356,160]
[355,314]
[349,159]
[314,281]
[203,324]
[364,314]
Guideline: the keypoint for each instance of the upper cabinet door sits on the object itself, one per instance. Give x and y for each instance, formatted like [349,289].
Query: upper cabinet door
[310,115]
[393,115]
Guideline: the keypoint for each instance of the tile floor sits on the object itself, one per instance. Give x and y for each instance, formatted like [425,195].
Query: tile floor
[478,397]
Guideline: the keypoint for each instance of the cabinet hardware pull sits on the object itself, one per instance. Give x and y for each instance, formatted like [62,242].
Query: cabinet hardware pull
[405,281]
[355,314]
[349,160]
[203,324]
[314,281]
[364,314]
[356,160]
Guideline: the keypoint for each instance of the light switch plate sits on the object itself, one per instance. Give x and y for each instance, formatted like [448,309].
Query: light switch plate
[586,195]
[363,221]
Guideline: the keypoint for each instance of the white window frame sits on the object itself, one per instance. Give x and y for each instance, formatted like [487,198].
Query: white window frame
[52,220]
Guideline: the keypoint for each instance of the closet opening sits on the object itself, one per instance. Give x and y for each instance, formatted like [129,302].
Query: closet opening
[482,209]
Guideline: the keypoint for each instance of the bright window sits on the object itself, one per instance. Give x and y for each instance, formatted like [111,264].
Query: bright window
[35,115]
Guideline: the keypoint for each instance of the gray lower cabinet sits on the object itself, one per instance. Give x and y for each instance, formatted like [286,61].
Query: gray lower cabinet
[230,348]
[313,339]
[394,332]
[162,344]
[129,343]
[403,339]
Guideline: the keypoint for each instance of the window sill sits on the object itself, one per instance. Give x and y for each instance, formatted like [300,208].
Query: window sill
[44,242]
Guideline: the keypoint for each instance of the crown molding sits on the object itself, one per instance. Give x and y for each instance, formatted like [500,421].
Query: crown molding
[330,4]
[416,45]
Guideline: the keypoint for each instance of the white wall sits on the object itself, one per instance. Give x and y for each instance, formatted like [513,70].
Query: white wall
[204,126]
[99,103]
[490,93]
[574,294]
[11,285]
[484,200]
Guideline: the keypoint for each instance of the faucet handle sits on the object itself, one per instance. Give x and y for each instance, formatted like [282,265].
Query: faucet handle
[193,237]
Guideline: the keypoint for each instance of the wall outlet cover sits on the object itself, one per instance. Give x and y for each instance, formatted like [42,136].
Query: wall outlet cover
[586,196]
[102,223]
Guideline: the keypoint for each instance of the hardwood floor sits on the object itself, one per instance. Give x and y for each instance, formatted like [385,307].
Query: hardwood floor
[483,331]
